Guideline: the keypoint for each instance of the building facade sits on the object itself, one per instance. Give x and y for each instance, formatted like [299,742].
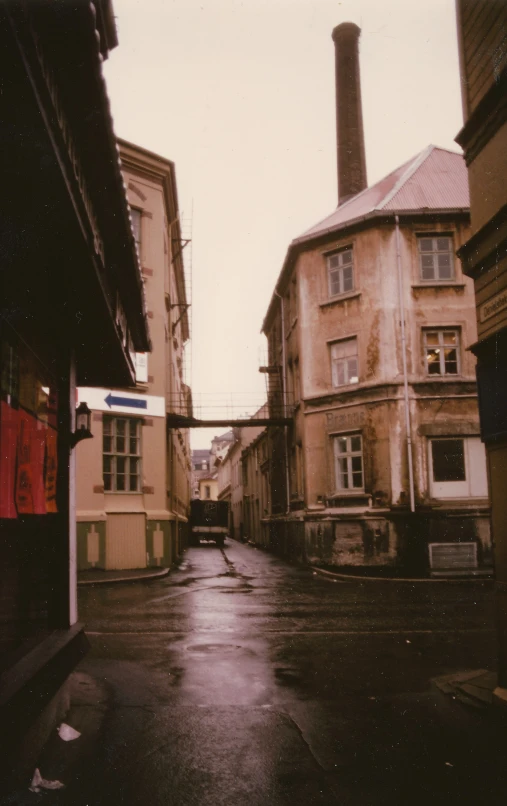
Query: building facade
[72,313]
[482,33]
[368,330]
[238,481]
[134,476]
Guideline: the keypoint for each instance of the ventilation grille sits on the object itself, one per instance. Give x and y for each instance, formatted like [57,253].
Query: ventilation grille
[453,556]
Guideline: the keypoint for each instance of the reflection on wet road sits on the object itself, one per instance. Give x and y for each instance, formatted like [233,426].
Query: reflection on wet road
[239,679]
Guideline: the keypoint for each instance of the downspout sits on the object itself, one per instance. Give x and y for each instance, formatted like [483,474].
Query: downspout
[286,429]
[404,361]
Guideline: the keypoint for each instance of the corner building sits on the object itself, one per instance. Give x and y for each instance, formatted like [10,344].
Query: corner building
[367,331]
[133,487]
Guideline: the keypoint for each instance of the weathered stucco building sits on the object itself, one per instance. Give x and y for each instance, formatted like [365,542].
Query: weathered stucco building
[368,330]
[239,481]
[134,477]
[482,34]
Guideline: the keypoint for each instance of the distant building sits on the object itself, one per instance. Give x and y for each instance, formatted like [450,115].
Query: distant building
[134,477]
[202,462]
[234,485]
[482,34]
[205,464]
[368,330]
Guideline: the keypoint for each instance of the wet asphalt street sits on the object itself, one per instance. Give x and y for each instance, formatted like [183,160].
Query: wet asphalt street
[239,679]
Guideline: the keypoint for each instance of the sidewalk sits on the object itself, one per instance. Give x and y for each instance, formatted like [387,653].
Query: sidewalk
[96,576]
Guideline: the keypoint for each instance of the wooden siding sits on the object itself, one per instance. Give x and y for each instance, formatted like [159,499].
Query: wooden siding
[484,32]
[126,541]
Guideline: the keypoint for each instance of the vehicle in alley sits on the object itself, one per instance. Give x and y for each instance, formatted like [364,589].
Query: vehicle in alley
[209,520]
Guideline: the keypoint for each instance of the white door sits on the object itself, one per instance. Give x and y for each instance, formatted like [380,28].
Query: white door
[126,540]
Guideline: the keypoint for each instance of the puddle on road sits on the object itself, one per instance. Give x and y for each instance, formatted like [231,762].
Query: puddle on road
[208,648]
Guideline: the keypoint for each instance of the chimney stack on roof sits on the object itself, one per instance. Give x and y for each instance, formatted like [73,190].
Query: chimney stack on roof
[349,115]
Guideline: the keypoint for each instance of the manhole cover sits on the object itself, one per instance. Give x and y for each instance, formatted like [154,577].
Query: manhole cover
[207,648]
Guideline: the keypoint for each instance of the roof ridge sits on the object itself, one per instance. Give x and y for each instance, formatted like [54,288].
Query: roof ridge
[416,163]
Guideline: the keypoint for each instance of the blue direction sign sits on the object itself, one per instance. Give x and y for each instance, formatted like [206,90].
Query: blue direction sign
[113,400]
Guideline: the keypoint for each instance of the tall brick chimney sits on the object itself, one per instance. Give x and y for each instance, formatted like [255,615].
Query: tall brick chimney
[349,114]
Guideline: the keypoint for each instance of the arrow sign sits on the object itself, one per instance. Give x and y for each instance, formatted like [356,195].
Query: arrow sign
[112,400]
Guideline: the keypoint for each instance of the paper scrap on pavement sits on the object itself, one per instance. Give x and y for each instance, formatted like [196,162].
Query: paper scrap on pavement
[67,733]
[38,783]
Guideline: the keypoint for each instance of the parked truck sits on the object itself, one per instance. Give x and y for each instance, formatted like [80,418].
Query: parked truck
[209,520]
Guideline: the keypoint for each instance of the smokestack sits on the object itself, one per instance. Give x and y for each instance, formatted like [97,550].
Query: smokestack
[349,114]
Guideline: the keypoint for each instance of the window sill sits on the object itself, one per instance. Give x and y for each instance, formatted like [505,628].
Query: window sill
[459,286]
[122,492]
[341,298]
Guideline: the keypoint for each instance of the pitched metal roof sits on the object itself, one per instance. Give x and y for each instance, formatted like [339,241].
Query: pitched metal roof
[435,179]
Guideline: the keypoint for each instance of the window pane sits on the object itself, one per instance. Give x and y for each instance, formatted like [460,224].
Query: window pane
[343,479]
[343,349]
[426,244]
[340,373]
[341,444]
[120,444]
[107,444]
[333,261]
[433,362]
[357,464]
[444,244]
[106,426]
[134,474]
[432,338]
[346,257]
[136,224]
[357,480]
[355,443]
[448,460]
[450,337]
[451,362]
[352,369]
[334,280]
[348,280]
[120,464]
[444,260]
[133,448]
[121,426]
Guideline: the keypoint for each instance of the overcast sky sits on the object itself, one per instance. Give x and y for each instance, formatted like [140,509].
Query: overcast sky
[240,95]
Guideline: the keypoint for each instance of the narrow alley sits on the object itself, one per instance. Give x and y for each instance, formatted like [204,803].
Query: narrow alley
[239,679]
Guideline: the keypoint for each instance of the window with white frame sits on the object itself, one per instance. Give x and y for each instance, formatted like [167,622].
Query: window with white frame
[441,351]
[121,454]
[344,365]
[457,467]
[436,258]
[340,272]
[135,216]
[348,461]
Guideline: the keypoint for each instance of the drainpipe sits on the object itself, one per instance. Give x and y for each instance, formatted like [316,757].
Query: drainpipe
[286,429]
[404,360]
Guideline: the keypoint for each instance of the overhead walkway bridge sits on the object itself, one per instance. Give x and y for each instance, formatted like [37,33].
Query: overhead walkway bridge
[228,412]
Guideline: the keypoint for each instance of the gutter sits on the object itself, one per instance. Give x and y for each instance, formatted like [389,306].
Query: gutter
[408,424]
[287,474]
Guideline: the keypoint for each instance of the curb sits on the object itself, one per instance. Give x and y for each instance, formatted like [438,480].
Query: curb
[162,572]
[354,578]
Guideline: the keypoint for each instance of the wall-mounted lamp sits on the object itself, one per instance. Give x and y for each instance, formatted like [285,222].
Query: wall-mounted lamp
[83,423]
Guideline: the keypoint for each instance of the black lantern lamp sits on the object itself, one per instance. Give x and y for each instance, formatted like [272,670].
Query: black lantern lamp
[83,423]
